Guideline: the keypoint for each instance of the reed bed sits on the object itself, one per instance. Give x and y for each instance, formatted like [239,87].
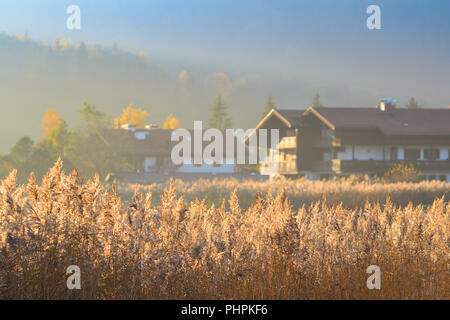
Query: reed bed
[179,249]
[351,192]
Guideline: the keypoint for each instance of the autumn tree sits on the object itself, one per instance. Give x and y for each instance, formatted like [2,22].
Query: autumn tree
[86,148]
[269,106]
[49,122]
[171,123]
[27,157]
[58,137]
[52,145]
[402,172]
[219,118]
[130,115]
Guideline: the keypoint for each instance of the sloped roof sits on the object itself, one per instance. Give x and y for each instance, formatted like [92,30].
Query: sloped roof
[291,115]
[157,141]
[399,122]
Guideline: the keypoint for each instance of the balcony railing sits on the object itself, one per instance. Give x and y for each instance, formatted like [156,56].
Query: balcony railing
[287,143]
[375,166]
[326,142]
[283,167]
[288,167]
[383,165]
[326,166]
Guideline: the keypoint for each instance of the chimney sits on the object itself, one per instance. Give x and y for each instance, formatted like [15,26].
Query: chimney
[387,105]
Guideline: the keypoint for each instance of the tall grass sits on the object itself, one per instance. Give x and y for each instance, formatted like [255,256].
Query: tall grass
[351,192]
[191,250]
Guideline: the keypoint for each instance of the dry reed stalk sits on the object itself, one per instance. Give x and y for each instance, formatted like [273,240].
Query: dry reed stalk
[193,250]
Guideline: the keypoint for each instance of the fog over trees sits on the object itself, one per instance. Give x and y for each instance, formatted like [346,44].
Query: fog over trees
[37,76]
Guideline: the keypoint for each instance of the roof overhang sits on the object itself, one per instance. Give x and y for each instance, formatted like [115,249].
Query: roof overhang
[316,113]
[272,112]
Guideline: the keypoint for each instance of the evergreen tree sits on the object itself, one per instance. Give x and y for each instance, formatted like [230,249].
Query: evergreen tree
[412,104]
[22,149]
[269,106]
[316,100]
[93,119]
[218,117]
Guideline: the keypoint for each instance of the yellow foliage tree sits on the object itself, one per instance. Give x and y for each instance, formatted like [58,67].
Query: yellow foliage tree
[49,122]
[130,115]
[171,123]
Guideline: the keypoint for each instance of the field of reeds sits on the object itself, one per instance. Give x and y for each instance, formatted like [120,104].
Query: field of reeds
[269,240]
[352,192]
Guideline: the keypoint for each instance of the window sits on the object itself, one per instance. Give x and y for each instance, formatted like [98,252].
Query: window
[432,154]
[412,154]
[394,153]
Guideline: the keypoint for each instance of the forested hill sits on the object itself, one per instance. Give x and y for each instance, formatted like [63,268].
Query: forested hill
[36,76]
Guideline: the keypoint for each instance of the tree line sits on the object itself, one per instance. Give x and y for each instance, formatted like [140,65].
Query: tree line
[84,148]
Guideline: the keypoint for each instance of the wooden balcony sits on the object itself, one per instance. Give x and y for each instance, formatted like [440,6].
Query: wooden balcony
[283,167]
[288,167]
[376,166]
[326,166]
[384,165]
[288,143]
[326,142]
